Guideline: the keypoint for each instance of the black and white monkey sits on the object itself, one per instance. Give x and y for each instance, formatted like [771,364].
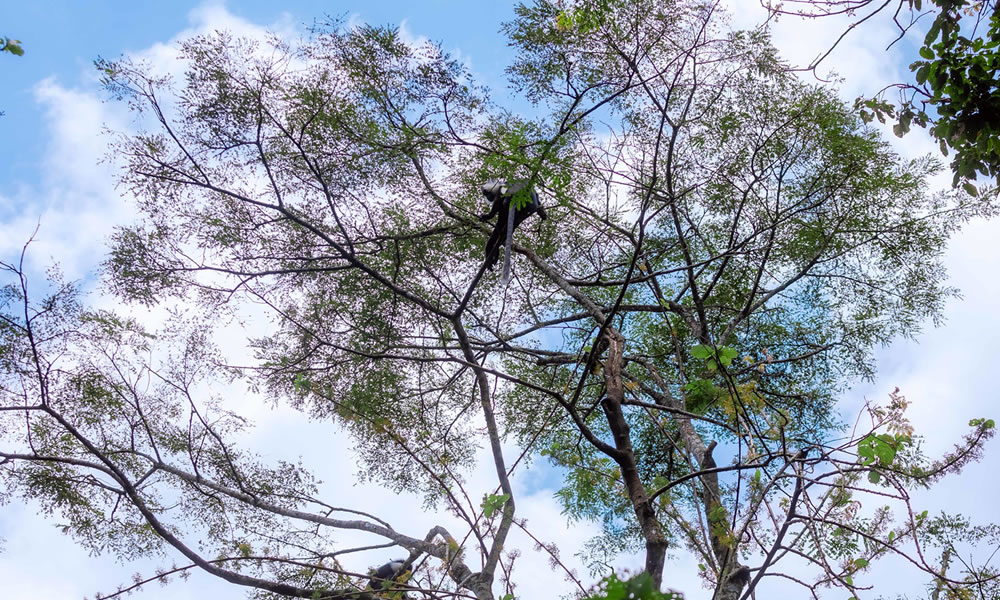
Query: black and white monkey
[500,194]
[386,573]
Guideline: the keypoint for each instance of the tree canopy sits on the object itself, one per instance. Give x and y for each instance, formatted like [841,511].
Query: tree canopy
[726,245]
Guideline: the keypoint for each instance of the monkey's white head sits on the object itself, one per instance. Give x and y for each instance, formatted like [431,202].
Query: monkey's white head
[494,187]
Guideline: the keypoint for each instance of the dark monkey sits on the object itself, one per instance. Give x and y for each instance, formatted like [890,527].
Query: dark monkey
[740,577]
[384,574]
[500,194]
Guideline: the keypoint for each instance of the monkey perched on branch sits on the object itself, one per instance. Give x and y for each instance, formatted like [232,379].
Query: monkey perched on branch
[383,576]
[505,196]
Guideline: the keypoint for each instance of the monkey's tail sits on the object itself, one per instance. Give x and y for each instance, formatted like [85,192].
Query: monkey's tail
[506,246]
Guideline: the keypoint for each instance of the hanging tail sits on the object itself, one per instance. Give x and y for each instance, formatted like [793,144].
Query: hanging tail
[506,246]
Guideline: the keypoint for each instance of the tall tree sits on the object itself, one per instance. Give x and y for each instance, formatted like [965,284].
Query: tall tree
[725,246]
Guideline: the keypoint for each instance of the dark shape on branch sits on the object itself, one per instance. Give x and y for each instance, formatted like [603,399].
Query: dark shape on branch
[385,574]
[707,462]
[740,576]
[501,194]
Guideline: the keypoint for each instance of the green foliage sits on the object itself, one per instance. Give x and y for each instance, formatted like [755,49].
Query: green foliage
[701,393]
[492,503]
[960,74]
[714,357]
[11,45]
[955,91]
[585,17]
[638,587]
[880,450]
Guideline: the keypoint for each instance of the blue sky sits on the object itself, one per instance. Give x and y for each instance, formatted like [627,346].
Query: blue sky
[50,174]
[62,39]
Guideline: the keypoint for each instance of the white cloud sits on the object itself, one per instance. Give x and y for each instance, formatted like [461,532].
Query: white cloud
[74,205]
[206,19]
[38,561]
[416,41]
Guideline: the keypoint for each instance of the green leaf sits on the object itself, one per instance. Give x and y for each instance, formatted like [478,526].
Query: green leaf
[970,189]
[865,448]
[700,395]
[861,563]
[885,454]
[726,355]
[927,53]
[493,503]
[702,351]
[301,383]
[874,476]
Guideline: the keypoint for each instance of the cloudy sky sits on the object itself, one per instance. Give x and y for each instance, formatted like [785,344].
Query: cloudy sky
[52,176]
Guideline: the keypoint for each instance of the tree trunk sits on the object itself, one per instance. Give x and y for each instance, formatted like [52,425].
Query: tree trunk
[645,512]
